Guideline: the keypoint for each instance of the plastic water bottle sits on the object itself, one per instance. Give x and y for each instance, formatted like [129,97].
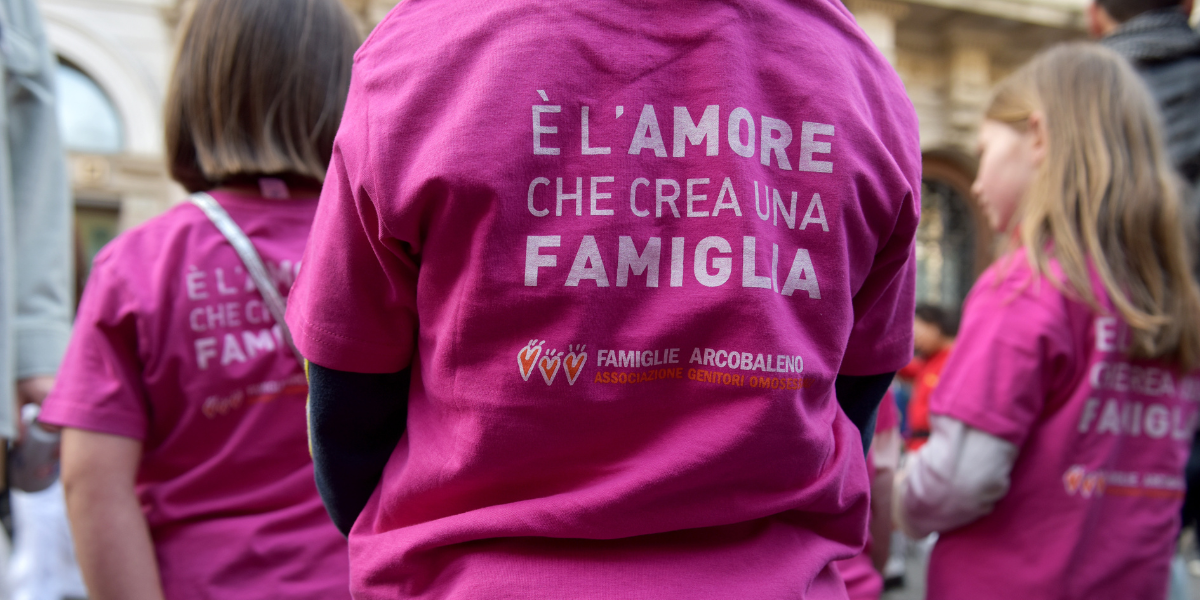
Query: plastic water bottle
[33,462]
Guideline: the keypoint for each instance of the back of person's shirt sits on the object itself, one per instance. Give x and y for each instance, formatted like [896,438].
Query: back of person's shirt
[626,247]
[1096,489]
[174,347]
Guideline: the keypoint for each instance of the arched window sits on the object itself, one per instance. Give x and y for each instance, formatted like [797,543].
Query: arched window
[945,246]
[87,119]
[953,241]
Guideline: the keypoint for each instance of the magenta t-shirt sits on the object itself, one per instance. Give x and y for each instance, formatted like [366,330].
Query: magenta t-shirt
[174,347]
[1093,508]
[623,365]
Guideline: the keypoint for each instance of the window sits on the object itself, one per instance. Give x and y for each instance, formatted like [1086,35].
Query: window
[945,245]
[87,119]
[95,225]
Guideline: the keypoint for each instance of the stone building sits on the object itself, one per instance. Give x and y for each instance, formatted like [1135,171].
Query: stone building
[949,53]
[115,54]
[114,62]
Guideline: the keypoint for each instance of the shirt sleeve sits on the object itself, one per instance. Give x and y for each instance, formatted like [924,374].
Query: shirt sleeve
[353,307]
[881,339]
[885,450]
[355,421]
[953,480]
[1013,346]
[99,386]
[41,199]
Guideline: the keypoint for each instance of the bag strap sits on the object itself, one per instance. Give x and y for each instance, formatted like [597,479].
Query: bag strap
[275,303]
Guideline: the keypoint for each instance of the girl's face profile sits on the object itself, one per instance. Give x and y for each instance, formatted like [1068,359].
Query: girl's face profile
[1007,162]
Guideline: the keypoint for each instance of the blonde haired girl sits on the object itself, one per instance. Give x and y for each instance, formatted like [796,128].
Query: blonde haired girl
[1063,419]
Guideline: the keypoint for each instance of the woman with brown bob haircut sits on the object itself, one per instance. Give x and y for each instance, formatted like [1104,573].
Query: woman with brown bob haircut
[184,451]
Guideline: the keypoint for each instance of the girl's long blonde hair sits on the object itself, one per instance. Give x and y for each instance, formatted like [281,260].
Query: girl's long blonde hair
[1106,196]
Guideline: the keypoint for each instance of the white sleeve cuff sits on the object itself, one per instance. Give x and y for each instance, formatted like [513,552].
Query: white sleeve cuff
[957,477]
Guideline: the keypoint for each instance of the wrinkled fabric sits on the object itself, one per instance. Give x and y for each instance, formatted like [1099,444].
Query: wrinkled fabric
[616,393]
[954,479]
[863,582]
[1092,507]
[174,347]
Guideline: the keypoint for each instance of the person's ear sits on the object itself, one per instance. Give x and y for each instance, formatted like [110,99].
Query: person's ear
[1039,142]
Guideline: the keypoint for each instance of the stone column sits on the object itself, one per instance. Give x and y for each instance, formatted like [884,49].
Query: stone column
[878,20]
[970,84]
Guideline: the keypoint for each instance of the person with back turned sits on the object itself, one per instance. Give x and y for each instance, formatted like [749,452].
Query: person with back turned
[184,453]
[628,253]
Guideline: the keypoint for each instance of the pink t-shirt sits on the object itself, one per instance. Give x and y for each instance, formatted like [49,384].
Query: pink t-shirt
[1093,508]
[622,369]
[889,414]
[174,347]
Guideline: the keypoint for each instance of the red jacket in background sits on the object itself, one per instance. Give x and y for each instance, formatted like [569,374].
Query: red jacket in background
[924,373]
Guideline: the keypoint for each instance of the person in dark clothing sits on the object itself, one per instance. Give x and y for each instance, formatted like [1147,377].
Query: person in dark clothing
[1155,37]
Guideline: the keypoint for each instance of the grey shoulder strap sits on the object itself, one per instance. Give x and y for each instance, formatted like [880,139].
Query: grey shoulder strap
[254,265]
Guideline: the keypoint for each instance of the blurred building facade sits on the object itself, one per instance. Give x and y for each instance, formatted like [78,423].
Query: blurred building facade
[950,53]
[115,57]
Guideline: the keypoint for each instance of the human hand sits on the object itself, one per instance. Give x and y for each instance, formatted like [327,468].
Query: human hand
[32,390]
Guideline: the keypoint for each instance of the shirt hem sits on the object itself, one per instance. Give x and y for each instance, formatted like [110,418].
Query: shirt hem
[78,416]
[343,354]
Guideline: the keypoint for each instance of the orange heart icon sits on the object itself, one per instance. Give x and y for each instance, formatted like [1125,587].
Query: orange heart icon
[549,367]
[574,364]
[1073,478]
[527,357]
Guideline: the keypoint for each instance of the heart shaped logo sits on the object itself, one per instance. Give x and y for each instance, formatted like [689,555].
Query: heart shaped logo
[574,362]
[1073,479]
[549,366]
[527,357]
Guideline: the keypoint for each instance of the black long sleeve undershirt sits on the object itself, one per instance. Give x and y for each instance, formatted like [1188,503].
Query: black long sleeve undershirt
[859,397]
[356,420]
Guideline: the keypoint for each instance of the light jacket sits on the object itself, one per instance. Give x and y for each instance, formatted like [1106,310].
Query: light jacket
[35,209]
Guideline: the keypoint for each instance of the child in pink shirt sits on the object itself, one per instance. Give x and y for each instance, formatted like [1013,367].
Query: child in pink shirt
[184,456]
[625,250]
[1063,419]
